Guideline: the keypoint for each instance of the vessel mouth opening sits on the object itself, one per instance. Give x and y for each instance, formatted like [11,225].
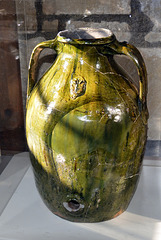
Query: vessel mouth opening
[74,205]
[85,34]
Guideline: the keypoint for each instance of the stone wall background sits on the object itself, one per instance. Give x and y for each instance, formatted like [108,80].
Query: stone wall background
[135,21]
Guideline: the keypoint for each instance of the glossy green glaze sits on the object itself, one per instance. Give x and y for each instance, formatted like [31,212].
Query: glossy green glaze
[86,126]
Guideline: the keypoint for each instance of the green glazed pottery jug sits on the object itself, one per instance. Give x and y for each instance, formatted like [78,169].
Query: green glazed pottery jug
[86,125]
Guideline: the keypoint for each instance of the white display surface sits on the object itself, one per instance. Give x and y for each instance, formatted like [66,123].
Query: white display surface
[25,217]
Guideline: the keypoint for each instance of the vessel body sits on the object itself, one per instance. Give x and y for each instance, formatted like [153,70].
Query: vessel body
[86,129]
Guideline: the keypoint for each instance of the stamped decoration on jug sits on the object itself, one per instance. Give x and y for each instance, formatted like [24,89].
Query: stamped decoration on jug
[77,86]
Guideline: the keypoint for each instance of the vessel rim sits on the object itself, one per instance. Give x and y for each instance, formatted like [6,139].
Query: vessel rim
[69,36]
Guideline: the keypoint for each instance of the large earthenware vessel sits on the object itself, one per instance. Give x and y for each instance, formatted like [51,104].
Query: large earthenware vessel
[86,125]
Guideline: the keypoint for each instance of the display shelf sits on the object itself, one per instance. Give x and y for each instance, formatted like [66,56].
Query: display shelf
[24,216]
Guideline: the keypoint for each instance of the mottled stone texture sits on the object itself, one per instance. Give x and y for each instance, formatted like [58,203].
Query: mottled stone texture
[86,7]
[135,21]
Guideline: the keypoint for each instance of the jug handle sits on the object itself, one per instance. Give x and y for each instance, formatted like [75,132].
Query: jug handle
[34,63]
[132,52]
